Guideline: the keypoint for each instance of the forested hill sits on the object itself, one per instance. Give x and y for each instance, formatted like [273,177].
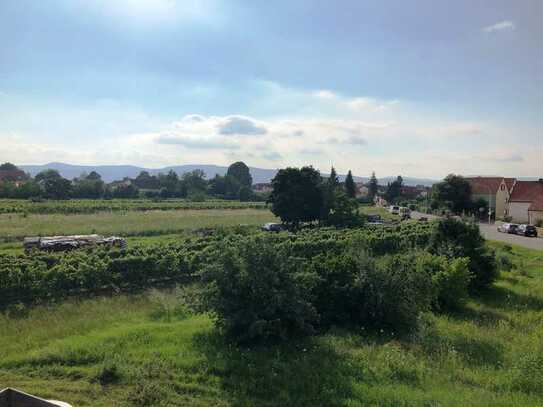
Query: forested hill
[111,173]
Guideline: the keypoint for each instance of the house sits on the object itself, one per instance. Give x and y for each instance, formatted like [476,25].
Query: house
[413,192]
[262,187]
[526,202]
[125,182]
[361,190]
[16,176]
[494,190]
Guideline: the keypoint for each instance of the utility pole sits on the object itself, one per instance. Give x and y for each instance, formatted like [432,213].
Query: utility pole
[489,203]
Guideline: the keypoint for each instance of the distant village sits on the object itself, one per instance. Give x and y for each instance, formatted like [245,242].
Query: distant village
[507,199]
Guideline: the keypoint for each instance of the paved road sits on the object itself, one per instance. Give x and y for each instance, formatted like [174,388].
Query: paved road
[490,232]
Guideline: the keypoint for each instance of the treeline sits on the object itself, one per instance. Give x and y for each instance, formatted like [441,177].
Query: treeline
[267,287]
[49,184]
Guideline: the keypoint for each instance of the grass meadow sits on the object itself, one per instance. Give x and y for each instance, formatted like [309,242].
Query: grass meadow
[149,350]
[130,223]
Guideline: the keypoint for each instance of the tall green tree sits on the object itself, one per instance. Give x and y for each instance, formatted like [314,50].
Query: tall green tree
[297,195]
[53,185]
[144,180]
[344,211]
[241,173]
[394,190]
[329,189]
[169,184]
[8,167]
[88,186]
[350,187]
[194,182]
[333,179]
[453,192]
[373,186]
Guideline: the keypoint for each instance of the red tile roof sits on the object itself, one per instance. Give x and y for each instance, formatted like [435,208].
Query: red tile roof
[537,204]
[529,191]
[509,182]
[484,185]
[11,175]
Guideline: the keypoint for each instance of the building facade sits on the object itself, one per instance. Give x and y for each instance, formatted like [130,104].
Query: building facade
[526,202]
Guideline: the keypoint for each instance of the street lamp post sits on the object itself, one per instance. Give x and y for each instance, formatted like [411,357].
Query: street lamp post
[489,203]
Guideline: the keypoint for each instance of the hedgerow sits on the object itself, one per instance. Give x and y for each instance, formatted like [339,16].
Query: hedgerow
[281,284]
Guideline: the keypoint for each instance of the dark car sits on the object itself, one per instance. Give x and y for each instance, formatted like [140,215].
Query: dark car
[375,219]
[512,229]
[527,230]
[272,227]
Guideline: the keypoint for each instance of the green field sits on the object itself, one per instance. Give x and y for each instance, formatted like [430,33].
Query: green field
[131,223]
[373,210]
[125,351]
[73,206]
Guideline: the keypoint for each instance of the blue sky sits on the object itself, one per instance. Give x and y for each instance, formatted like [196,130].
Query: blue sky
[420,88]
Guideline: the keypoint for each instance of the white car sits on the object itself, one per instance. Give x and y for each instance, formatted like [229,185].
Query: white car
[508,228]
[395,210]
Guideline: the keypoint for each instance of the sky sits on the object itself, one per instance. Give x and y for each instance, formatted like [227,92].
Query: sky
[421,88]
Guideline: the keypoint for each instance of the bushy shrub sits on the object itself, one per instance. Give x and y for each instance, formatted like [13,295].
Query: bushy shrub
[455,239]
[394,293]
[334,295]
[258,294]
[452,283]
[356,289]
[503,260]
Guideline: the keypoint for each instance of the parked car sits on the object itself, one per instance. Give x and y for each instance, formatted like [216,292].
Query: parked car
[423,219]
[405,213]
[510,228]
[527,230]
[272,227]
[374,219]
[395,210]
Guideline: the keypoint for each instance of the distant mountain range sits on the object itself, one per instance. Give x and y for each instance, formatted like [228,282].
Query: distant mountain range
[111,173]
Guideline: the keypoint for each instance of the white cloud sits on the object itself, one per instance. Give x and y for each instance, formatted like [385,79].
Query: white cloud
[311,128]
[199,143]
[324,94]
[237,125]
[356,104]
[150,13]
[502,25]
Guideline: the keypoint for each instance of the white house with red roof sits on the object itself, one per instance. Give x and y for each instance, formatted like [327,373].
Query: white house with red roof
[526,202]
[495,190]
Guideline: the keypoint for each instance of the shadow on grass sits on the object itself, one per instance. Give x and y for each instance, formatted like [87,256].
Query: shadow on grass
[505,299]
[478,351]
[481,317]
[296,374]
